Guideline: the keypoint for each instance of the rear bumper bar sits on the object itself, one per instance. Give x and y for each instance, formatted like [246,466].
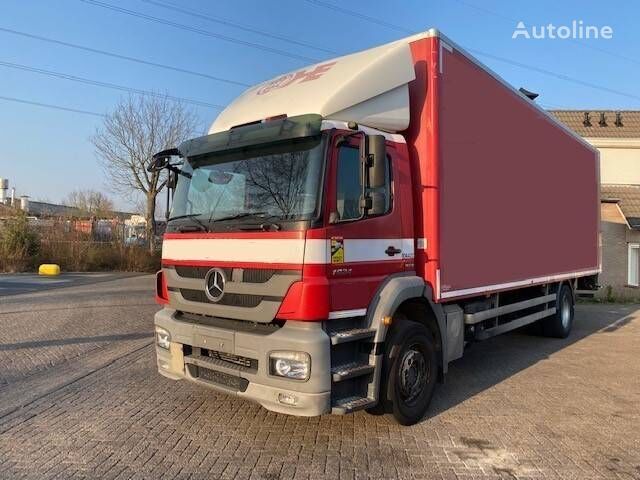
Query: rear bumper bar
[249,377]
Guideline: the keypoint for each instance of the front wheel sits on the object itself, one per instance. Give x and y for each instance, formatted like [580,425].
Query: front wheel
[410,370]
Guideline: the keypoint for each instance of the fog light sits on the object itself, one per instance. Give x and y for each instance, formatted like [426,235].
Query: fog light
[287,399]
[294,365]
[163,364]
[163,338]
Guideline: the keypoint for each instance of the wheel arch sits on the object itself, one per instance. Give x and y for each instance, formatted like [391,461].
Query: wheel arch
[408,295]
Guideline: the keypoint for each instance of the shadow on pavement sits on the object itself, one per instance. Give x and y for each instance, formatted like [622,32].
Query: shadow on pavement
[21,283]
[75,340]
[488,363]
[82,307]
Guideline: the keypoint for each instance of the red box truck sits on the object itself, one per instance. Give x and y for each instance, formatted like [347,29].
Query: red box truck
[345,230]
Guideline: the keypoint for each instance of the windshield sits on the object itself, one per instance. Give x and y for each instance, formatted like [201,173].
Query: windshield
[275,183]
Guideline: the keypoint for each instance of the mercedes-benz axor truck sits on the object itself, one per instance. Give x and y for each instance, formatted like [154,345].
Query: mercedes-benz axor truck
[345,230]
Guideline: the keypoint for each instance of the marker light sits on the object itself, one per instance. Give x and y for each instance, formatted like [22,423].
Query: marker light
[163,338]
[287,399]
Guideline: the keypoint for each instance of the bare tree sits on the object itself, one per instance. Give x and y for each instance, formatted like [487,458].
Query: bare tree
[139,127]
[279,181]
[91,202]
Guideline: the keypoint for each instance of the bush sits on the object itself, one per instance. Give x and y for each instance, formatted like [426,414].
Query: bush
[609,294]
[139,259]
[89,256]
[22,250]
[19,245]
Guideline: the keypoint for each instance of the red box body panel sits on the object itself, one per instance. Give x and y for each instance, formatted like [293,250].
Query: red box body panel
[504,196]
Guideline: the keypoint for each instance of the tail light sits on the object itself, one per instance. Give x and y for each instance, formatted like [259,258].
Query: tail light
[162,292]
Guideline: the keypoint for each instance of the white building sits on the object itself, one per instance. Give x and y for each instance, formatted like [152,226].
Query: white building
[616,134]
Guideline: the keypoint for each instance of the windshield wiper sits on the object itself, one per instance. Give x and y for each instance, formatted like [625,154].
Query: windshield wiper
[265,226]
[240,215]
[192,216]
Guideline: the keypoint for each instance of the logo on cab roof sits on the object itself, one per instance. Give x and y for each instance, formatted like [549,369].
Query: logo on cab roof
[300,76]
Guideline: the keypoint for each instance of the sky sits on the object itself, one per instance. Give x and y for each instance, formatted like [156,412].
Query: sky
[47,153]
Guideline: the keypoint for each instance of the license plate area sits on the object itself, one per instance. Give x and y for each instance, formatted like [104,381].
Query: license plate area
[222,379]
[219,341]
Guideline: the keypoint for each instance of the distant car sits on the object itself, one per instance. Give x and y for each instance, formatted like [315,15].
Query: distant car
[134,241]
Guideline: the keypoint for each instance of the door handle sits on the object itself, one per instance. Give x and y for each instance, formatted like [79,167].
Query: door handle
[391,250]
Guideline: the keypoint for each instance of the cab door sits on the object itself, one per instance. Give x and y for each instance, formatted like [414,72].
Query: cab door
[366,249]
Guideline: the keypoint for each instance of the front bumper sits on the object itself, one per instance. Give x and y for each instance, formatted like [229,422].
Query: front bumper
[250,381]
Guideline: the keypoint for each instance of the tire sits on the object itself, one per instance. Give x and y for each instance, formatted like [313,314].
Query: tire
[559,325]
[409,373]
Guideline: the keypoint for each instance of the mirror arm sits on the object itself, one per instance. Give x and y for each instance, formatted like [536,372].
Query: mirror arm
[364,169]
[160,160]
[343,138]
[178,171]
[170,152]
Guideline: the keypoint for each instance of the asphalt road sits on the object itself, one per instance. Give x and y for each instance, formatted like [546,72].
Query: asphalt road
[80,398]
[14,284]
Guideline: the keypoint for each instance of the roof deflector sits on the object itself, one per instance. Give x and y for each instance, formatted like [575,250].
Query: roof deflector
[368,87]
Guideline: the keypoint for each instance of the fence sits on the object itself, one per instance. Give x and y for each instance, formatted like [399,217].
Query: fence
[76,245]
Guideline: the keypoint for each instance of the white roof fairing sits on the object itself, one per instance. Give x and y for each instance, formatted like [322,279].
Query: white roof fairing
[368,87]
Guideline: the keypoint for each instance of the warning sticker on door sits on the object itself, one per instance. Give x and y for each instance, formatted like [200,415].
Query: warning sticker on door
[337,250]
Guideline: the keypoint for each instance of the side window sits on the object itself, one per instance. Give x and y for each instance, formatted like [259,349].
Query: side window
[349,186]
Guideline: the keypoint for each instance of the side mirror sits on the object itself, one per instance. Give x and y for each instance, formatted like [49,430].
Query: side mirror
[158,163]
[162,159]
[373,158]
[377,151]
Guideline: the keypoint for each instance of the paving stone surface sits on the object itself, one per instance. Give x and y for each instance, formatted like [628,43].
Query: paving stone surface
[82,399]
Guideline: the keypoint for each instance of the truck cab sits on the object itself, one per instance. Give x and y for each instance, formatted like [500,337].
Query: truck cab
[278,229]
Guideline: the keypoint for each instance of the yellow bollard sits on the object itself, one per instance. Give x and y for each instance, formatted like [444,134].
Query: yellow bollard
[49,269]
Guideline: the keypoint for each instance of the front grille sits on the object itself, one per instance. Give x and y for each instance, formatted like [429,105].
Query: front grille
[249,275]
[257,275]
[229,299]
[246,362]
[199,272]
[219,378]
[263,275]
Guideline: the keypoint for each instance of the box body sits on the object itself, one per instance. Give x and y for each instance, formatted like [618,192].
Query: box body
[504,196]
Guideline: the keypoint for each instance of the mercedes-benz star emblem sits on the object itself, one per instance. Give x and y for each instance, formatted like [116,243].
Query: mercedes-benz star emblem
[214,284]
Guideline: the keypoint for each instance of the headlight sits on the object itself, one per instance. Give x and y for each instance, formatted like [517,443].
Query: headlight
[295,365]
[163,338]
